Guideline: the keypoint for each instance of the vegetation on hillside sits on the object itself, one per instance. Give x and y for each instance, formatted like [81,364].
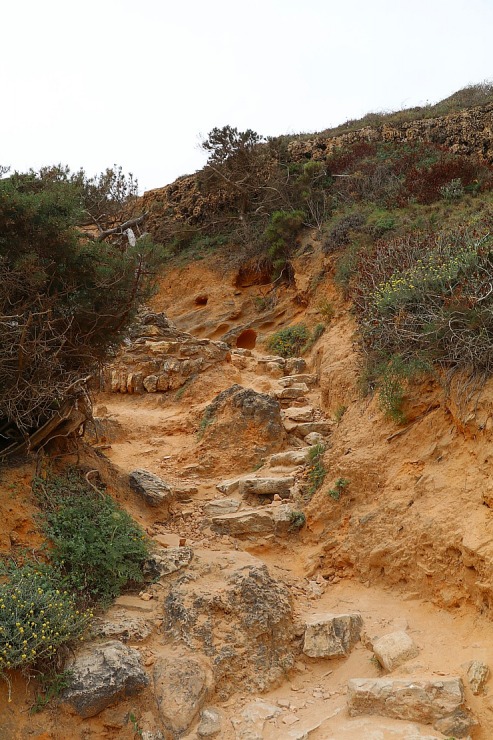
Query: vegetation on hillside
[66,296]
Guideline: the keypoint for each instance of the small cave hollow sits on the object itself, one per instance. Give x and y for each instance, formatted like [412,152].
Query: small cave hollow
[247,339]
[201,300]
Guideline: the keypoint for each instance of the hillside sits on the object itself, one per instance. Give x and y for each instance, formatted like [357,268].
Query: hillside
[300,419]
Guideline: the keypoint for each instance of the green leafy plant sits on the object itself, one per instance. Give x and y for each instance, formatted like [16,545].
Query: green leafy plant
[37,616]
[51,684]
[290,341]
[315,335]
[326,309]
[297,521]
[339,486]
[95,545]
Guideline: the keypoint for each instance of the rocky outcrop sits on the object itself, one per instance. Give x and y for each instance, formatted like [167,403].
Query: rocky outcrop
[167,560]
[254,417]
[159,357]
[233,611]
[103,674]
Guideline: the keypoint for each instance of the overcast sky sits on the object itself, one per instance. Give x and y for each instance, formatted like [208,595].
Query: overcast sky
[136,82]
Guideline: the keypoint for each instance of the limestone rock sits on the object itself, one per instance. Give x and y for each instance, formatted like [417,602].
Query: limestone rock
[419,700]
[394,649]
[103,674]
[238,615]
[300,414]
[247,521]
[292,392]
[122,625]
[221,506]
[228,486]
[321,427]
[289,458]
[181,685]
[289,380]
[331,635]
[314,438]
[266,486]
[477,675]
[249,725]
[255,419]
[294,366]
[153,489]
[457,725]
[210,723]
[167,560]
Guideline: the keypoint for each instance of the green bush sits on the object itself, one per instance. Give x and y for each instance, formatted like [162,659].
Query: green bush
[37,616]
[289,342]
[96,546]
[281,237]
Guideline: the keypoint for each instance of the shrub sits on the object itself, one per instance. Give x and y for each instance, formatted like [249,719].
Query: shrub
[316,470]
[95,545]
[317,332]
[290,341]
[281,236]
[297,521]
[339,486]
[37,616]
[340,233]
[454,190]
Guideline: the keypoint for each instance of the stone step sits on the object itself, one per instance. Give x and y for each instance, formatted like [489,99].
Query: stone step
[290,380]
[299,413]
[266,486]
[321,427]
[293,392]
[257,521]
[289,458]
[220,506]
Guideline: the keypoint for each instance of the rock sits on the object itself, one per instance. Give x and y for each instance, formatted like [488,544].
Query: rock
[294,366]
[210,723]
[321,427]
[103,674]
[255,418]
[419,700]
[247,521]
[289,380]
[477,675]
[181,686]
[153,489]
[457,725]
[122,625]
[314,438]
[289,458]
[293,392]
[221,506]
[133,603]
[266,486]
[394,649]
[331,635]
[249,725]
[167,560]
[237,615]
[150,383]
[228,486]
[300,414]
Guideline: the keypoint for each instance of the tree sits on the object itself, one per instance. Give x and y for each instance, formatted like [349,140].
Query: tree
[65,297]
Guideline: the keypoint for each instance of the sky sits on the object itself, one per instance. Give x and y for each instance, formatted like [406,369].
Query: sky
[140,84]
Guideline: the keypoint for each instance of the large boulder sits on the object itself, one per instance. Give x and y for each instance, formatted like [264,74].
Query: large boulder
[103,674]
[244,424]
[232,610]
[182,685]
